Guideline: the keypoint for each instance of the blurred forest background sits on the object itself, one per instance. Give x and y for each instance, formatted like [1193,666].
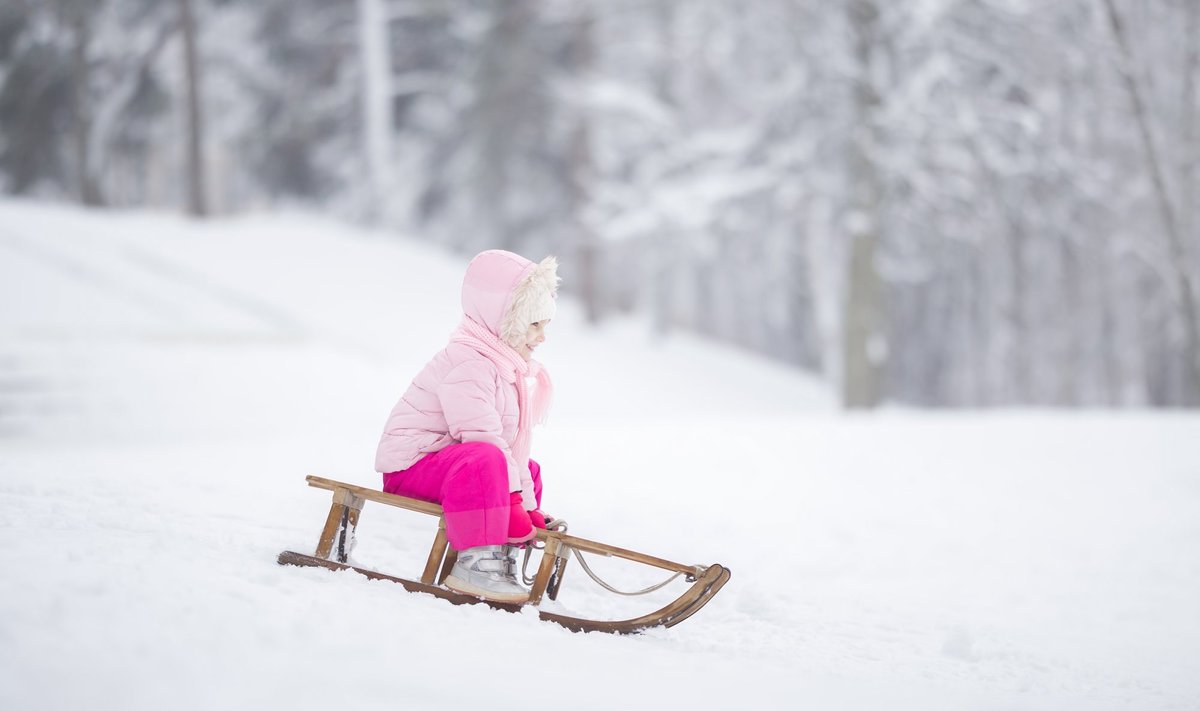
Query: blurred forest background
[932,202]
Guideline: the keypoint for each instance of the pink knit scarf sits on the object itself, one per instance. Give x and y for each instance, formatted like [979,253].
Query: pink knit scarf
[513,369]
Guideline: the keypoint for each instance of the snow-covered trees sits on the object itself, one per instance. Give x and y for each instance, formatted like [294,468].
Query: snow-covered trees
[941,202]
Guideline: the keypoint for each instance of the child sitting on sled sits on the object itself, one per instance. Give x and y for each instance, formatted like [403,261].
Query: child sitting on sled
[460,435]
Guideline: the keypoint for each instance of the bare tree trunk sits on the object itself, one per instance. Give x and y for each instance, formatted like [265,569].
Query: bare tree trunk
[197,204]
[498,118]
[581,55]
[89,189]
[377,101]
[1011,383]
[864,341]
[664,251]
[802,341]
[1180,259]
[1189,163]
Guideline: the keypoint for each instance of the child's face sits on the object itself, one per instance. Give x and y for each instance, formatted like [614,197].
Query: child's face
[534,335]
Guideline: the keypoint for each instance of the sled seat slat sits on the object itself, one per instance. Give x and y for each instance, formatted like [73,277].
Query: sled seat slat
[377,496]
[563,539]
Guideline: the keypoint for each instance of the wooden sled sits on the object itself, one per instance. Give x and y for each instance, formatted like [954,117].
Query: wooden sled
[348,502]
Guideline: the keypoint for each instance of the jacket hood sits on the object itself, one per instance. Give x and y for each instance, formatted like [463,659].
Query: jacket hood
[506,292]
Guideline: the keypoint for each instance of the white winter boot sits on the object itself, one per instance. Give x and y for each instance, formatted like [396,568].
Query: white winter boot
[487,572]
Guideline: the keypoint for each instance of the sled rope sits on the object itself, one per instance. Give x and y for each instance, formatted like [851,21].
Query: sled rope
[645,591]
[560,525]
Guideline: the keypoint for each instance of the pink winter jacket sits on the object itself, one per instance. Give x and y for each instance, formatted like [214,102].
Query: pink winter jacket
[459,396]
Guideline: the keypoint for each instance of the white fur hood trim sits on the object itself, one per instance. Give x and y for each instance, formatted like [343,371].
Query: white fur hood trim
[533,300]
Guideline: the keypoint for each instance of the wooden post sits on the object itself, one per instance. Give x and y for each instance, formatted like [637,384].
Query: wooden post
[345,541]
[549,557]
[447,565]
[436,554]
[340,524]
[556,575]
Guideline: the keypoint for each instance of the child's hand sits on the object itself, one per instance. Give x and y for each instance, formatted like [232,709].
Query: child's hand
[538,519]
[519,520]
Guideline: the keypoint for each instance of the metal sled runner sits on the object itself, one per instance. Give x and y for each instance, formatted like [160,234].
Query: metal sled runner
[348,502]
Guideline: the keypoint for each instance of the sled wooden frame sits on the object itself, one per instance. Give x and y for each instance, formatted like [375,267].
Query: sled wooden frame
[348,501]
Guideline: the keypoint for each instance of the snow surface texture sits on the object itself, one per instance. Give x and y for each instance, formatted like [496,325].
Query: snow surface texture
[166,385]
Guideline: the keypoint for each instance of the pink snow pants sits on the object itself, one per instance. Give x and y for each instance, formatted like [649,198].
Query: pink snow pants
[470,481]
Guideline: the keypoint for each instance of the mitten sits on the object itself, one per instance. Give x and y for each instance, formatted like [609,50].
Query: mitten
[538,519]
[520,523]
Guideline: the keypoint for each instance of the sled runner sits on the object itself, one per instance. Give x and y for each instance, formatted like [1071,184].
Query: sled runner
[348,501]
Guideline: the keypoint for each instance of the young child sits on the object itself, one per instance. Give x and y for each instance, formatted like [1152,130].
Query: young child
[460,435]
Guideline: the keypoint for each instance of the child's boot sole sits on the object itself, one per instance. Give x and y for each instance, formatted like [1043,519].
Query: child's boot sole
[461,586]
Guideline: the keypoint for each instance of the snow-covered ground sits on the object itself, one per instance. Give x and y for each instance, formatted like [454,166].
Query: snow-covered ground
[165,386]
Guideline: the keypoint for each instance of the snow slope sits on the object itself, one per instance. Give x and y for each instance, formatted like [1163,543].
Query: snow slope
[166,385]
